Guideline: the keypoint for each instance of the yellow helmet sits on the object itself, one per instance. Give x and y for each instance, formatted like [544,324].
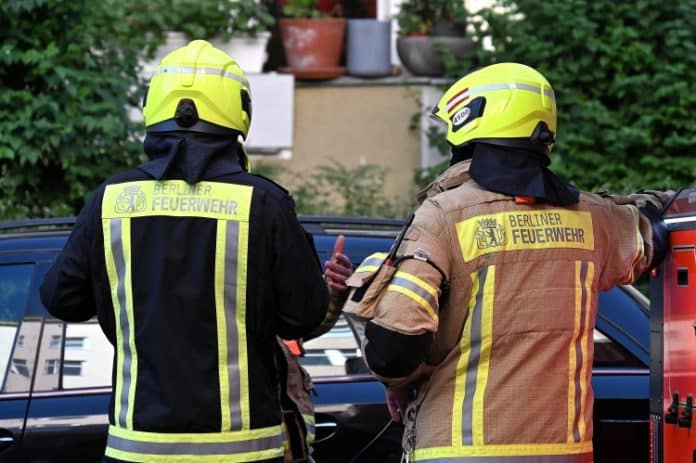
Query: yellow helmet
[198,88]
[499,104]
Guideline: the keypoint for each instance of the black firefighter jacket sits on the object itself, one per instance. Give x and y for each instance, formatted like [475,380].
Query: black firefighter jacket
[191,282]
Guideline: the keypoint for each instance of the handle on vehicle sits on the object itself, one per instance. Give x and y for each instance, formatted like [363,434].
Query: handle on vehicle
[6,439]
[324,430]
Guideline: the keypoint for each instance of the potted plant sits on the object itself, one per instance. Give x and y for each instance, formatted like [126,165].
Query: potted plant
[239,27]
[367,32]
[313,40]
[429,28]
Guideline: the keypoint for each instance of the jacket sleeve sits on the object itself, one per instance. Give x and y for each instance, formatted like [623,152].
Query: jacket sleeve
[397,339]
[66,290]
[301,293]
[638,237]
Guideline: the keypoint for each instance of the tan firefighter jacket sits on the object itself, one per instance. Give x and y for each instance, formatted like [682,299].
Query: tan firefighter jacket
[513,340]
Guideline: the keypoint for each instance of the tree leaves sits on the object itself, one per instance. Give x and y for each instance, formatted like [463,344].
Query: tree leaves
[623,76]
[70,74]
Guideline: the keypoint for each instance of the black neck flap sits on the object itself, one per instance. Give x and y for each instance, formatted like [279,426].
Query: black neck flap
[520,172]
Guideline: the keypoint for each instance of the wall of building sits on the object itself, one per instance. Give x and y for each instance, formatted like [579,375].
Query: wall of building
[356,122]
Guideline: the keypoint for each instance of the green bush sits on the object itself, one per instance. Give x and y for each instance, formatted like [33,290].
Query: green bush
[623,77]
[334,189]
[205,19]
[69,76]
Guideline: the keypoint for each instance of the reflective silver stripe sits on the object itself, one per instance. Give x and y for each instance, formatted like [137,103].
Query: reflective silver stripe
[194,448]
[476,318]
[671,220]
[376,261]
[578,352]
[532,88]
[197,70]
[120,264]
[404,283]
[311,428]
[575,458]
[231,251]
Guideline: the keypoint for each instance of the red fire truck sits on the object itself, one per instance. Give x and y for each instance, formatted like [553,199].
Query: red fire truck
[673,338]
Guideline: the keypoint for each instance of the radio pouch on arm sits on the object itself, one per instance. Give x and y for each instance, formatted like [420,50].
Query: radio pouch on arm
[370,280]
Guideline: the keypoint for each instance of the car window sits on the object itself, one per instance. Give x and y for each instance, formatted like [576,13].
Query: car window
[608,353]
[73,355]
[87,356]
[335,353]
[17,345]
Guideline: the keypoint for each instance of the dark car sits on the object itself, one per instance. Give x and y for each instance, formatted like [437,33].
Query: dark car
[55,377]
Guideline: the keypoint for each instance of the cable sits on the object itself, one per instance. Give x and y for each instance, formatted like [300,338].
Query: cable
[362,450]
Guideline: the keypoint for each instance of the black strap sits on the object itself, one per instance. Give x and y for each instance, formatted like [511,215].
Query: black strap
[391,256]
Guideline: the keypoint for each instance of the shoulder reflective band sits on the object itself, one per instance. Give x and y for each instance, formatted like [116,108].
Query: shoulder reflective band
[525,230]
[372,262]
[420,291]
[177,198]
[252,445]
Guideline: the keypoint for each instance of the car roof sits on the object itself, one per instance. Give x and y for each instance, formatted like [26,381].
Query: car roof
[34,235]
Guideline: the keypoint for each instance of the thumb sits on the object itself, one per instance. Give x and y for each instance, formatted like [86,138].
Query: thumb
[339,245]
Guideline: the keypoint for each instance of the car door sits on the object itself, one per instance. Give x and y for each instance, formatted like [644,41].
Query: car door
[620,376]
[67,415]
[19,335]
[353,424]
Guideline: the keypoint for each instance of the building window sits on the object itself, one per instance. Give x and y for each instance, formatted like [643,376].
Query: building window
[74,343]
[19,366]
[51,367]
[55,340]
[20,340]
[73,367]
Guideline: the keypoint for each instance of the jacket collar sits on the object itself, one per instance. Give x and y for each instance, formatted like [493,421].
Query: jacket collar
[451,178]
[190,156]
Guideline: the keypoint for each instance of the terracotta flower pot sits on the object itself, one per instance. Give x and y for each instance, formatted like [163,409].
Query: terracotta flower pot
[311,44]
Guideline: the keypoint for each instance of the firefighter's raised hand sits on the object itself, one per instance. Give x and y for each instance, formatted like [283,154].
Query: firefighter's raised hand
[338,269]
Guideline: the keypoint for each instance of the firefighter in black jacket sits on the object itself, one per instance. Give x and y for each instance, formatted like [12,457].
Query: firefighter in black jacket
[192,266]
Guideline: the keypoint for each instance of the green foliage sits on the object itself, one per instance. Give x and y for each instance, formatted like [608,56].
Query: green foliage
[417,17]
[219,18]
[302,9]
[272,171]
[623,77]
[335,189]
[69,74]
[249,17]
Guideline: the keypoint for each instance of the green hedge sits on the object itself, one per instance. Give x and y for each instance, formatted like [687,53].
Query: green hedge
[69,77]
[623,73]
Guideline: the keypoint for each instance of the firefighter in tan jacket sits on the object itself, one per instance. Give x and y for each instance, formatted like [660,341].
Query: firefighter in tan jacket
[482,329]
